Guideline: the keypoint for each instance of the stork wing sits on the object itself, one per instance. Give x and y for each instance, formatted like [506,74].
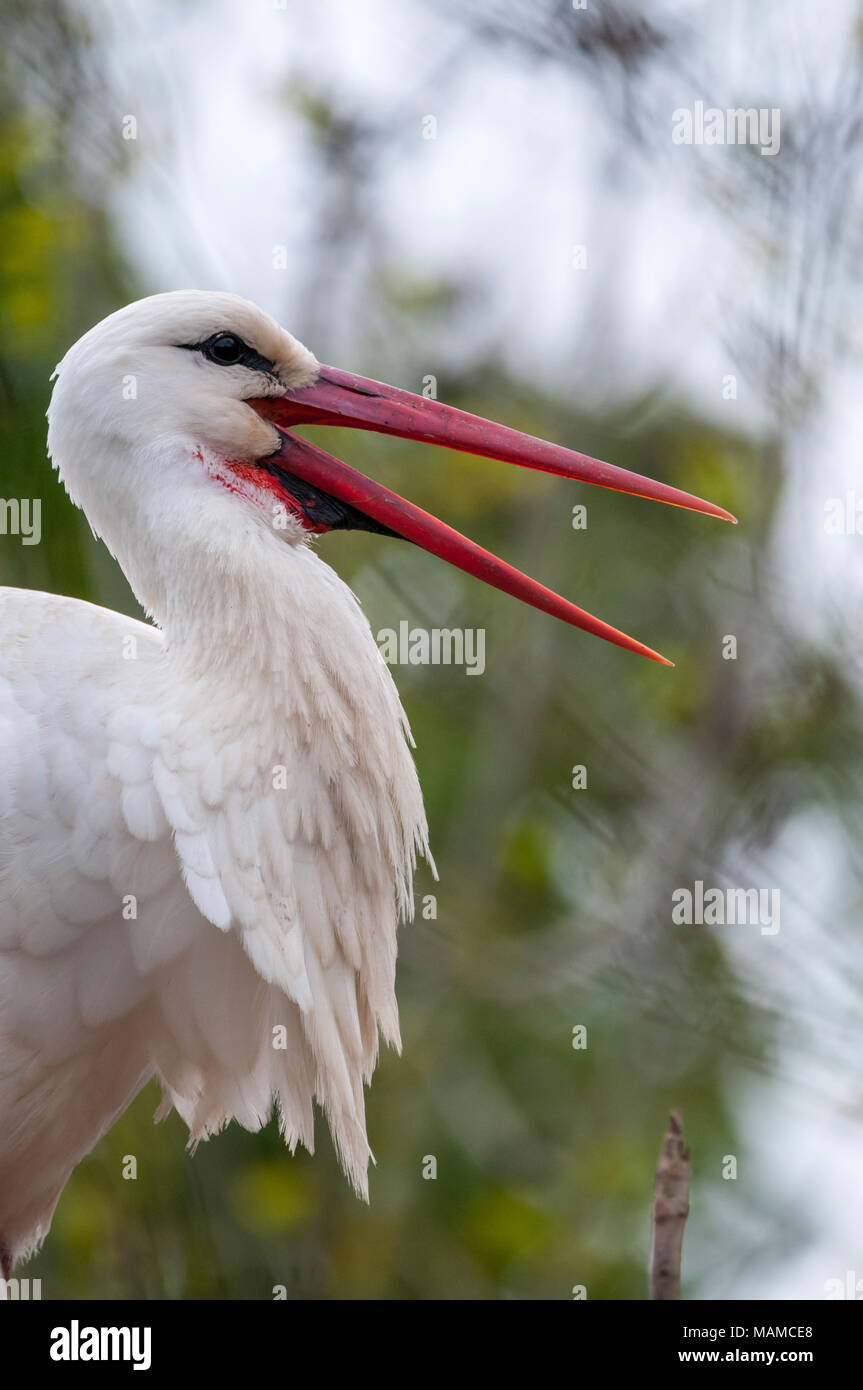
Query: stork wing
[299,830]
[125,953]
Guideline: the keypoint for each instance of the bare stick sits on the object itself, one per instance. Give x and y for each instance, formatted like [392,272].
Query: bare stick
[670,1210]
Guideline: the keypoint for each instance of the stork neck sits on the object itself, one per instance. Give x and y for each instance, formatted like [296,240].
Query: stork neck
[254,609]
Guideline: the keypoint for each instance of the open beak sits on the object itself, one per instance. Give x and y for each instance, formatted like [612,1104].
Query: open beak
[342,398]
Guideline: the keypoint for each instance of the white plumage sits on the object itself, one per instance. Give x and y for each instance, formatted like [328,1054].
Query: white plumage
[207,828]
[209,825]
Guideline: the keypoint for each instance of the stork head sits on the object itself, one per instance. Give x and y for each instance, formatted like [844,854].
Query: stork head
[171,423]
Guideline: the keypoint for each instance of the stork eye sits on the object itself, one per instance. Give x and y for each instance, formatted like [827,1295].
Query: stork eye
[225,348]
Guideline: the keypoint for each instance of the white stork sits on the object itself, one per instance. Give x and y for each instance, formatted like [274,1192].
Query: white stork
[209,822]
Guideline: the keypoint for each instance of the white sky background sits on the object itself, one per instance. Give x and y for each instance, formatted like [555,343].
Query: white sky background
[526,164]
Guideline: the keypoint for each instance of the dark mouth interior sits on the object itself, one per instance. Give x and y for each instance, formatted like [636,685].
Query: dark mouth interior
[322,511]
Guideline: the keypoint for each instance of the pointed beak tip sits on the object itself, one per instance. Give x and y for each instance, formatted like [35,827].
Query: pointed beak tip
[723,515]
[711,509]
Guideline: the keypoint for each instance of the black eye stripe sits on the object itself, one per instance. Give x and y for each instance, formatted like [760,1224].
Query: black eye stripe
[228,350]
